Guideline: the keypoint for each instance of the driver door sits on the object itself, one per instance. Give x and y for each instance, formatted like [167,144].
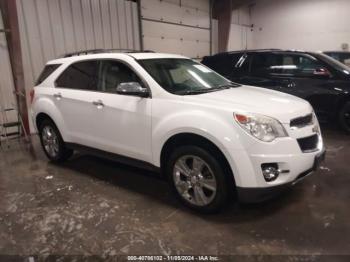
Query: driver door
[122,122]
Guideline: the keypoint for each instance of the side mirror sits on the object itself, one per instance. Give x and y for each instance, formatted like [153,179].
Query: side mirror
[132,89]
[322,72]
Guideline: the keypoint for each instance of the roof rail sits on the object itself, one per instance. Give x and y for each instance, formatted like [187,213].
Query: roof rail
[99,51]
[257,50]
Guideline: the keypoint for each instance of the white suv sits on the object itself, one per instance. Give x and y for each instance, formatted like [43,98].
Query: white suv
[170,113]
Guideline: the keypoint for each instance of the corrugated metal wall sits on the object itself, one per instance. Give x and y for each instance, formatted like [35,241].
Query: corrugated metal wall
[176,26]
[7,98]
[51,28]
[6,81]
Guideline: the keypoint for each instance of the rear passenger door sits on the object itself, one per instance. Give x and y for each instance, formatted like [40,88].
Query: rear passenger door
[262,71]
[74,94]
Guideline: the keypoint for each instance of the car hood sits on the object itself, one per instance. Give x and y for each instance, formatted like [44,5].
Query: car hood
[281,106]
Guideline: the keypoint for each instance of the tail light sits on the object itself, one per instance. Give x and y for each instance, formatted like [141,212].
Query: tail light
[32,94]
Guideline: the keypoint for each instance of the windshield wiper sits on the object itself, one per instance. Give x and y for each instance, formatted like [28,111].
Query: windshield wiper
[208,90]
[227,86]
[193,92]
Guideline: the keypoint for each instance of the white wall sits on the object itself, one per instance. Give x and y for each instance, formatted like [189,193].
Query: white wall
[176,26]
[297,24]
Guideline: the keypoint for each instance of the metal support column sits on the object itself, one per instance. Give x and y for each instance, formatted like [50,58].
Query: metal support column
[222,10]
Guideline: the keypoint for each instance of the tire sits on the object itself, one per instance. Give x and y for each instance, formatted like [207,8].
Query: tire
[190,183]
[52,142]
[344,117]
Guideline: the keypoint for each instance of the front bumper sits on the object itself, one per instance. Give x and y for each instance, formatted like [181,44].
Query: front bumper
[260,194]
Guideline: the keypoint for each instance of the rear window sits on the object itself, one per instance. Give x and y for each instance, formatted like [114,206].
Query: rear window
[285,65]
[48,70]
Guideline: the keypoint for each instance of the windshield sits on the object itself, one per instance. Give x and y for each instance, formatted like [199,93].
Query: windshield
[184,76]
[336,64]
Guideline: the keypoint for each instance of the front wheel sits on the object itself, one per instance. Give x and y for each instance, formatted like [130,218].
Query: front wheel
[344,117]
[197,178]
[52,142]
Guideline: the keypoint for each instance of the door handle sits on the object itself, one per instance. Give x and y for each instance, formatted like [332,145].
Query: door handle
[58,96]
[98,103]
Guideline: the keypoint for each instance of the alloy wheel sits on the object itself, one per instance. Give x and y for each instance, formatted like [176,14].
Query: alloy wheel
[50,141]
[194,180]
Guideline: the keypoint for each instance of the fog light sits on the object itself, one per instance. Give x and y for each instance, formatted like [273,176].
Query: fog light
[270,172]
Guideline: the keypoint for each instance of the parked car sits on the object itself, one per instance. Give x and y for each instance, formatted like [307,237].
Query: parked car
[341,56]
[316,77]
[165,112]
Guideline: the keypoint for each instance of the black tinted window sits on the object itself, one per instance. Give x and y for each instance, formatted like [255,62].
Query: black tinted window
[113,73]
[226,64]
[48,70]
[285,64]
[345,58]
[81,75]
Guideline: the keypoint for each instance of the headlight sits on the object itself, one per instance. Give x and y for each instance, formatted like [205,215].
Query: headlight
[316,124]
[262,127]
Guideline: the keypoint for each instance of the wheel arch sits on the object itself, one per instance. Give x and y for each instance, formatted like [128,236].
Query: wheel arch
[40,118]
[342,101]
[187,138]
[57,120]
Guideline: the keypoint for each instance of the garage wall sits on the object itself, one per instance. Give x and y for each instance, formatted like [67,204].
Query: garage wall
[7,99]
[301,24]
[176,26]
[51,28]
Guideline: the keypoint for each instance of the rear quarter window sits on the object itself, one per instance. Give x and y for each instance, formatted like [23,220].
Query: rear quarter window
[47,71]
[81,75]
[226,64]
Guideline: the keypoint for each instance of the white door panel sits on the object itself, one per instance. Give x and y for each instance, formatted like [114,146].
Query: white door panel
[78,113]
[123,125]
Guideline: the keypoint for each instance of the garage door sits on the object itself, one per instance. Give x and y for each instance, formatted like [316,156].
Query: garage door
[177,26]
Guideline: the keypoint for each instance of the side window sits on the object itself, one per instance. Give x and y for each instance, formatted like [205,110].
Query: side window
[345,59]
[47,71]
[225,64]
[82,75]
[114,73]
[300,65]
[229,63]
[285,65]
[266,64]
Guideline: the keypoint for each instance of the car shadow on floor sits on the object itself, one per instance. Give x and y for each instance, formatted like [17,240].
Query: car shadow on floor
[154,187]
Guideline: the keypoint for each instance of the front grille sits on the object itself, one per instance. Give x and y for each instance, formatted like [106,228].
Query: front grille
[308,144]
[301,121]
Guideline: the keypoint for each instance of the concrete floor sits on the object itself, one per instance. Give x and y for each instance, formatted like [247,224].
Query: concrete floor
[92,206]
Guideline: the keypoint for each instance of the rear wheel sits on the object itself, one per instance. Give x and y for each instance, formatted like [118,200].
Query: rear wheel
[344,117]
[52,142]
[197,178]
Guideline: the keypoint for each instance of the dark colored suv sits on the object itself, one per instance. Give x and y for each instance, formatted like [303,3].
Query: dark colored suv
[316,77]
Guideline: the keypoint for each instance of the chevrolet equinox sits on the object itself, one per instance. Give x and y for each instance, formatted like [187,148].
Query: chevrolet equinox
[206,134]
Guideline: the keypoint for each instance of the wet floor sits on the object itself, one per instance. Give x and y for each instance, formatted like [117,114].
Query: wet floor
[96,207]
